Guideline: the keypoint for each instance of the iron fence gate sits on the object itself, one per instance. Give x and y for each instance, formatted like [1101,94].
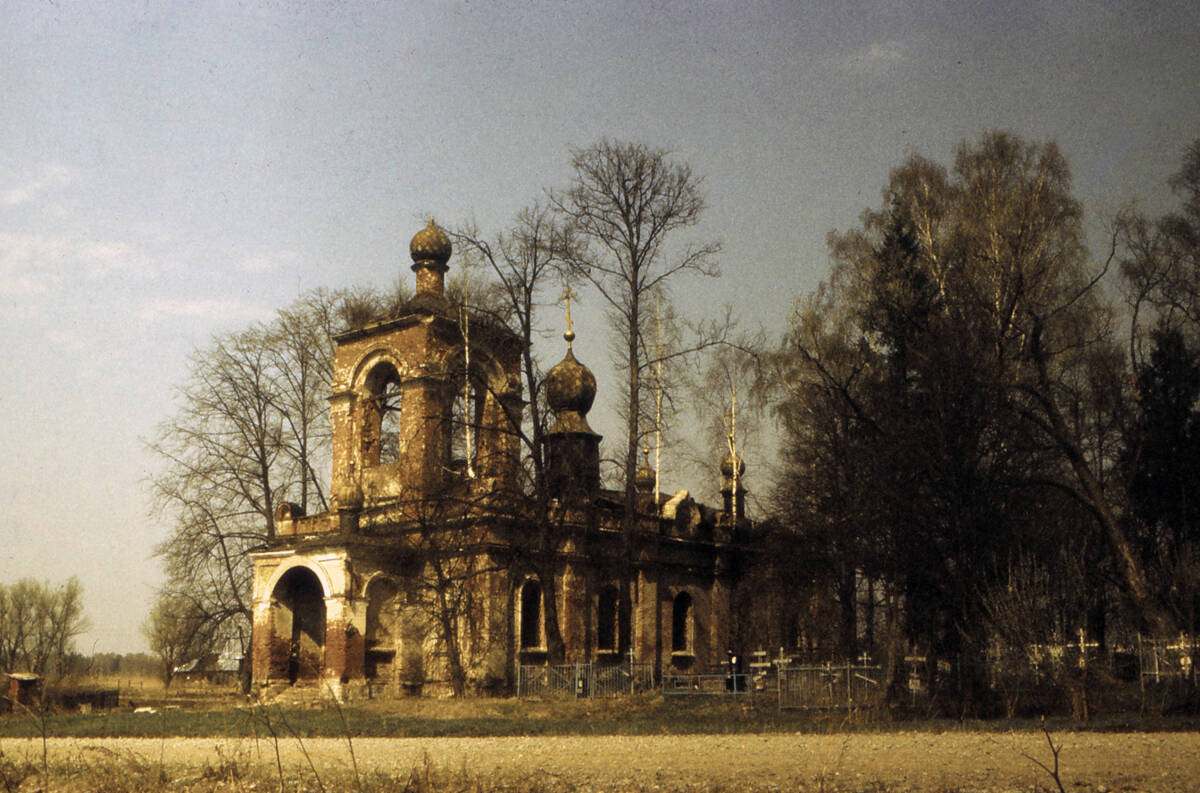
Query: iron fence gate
[830,687]
[580,681]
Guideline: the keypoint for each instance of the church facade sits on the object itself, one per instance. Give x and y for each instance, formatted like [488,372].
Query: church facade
[438,567]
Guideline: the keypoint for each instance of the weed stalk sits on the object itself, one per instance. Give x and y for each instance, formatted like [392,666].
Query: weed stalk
[266,717]
[304,751]
[1054,751]
[349,740]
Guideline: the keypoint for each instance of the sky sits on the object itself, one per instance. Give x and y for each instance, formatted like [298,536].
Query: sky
[170,171]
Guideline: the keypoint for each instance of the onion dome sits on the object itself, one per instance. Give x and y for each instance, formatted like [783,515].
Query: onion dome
[643,478]
[430,246]
[570,391]
[729,461]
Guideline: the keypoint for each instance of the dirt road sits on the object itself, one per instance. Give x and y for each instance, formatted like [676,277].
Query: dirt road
[1157,762]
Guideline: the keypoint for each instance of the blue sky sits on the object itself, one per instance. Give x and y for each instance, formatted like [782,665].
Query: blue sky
[173,170]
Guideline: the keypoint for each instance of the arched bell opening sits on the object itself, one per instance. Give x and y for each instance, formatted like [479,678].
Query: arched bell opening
[479,431]
[380,419]
[466,426]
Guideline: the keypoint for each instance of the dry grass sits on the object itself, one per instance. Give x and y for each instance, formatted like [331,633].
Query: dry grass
[631,744]
[930,763]
[100,771]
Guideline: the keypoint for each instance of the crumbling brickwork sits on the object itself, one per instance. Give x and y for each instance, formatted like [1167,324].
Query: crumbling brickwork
[415,578]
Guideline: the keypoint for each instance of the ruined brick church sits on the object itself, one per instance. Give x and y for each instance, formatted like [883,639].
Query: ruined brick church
[436,562]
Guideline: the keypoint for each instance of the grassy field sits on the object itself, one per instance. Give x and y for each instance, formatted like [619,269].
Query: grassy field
[205,714]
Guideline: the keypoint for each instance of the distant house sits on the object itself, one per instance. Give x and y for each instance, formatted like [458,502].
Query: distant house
[23,688]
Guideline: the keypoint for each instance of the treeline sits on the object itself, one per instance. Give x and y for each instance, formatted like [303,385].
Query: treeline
[990,436]
[38,624]
[117,665]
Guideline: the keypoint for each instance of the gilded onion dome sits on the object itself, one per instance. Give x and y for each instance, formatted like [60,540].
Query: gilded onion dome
[430,245]
[729,461]
[570,391]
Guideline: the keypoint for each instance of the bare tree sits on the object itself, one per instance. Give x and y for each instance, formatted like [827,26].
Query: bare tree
[179,629]
[1159,260]
[729,395]
[252,431]
[38,624]
[525,261]
[624,205]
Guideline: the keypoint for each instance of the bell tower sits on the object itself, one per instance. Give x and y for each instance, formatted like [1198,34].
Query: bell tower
[394,385]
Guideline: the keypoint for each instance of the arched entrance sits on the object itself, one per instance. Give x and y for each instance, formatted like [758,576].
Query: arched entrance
[298,626]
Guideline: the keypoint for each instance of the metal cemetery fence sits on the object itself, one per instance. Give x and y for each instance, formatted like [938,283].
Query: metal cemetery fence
[848,687]
[581,681]
[830,687]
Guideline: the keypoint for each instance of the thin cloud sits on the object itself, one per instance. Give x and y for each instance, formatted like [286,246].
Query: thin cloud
[103,258]
[51,176]
[877,58]
[33,264]
[213,310]
[271,260]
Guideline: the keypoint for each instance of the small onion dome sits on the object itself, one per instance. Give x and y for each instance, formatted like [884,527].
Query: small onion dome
[729,461]
[430,245]
[643,478]
[570,391]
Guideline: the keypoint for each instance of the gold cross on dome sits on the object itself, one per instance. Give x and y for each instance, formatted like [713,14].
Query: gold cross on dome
[569,335]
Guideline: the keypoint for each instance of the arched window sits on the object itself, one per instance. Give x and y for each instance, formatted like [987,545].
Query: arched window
[383,608]
[681,624]
[531,615]
[607,619]
[380,419]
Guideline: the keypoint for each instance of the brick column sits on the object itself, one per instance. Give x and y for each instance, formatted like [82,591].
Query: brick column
[260,641]
[424,416]
[497,625]
[573,614]
[719,616]
[340,643]
[647,642]
[344,444]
